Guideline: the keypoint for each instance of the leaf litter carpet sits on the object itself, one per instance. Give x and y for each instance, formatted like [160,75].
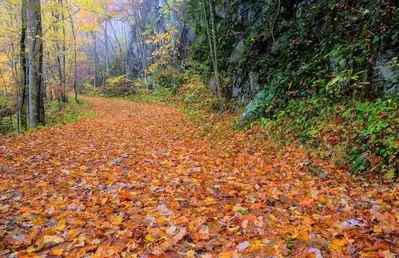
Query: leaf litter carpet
[139,180]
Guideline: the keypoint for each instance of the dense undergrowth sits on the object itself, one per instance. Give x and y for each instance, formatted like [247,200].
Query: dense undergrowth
[362,134]
[7,117]
[332,85]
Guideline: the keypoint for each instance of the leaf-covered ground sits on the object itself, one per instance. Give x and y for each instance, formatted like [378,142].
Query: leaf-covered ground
[138,180]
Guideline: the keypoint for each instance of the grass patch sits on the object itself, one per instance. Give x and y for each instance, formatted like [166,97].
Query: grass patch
[56,115]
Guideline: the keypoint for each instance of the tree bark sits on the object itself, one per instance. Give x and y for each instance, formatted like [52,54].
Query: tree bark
[208,31]
[35,46]
[23,98]
[65,97]
[95,61]
[75,54]
[215,52]
[212,45]
[106,49]
[60,57]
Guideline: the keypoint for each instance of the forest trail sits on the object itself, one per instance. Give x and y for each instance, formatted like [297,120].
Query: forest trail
[138,179]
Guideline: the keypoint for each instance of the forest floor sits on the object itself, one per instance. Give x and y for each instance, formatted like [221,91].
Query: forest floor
[139,180]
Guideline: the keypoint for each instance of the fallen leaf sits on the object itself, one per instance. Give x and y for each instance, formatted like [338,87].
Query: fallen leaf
[179,236]
[61,225]
[57,252]
[150,238]
[243,246]
[249,217]
[52,240]
[116,219]
[338,245]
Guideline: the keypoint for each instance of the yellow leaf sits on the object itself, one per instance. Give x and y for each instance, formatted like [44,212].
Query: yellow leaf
[149,238]
[210,201]
[116,220]
[377,229]
[162,234]
[293,232]
[272,217]
[191,254]
[42,184]
[161,220]
[225,255]
[61,225]
[337,245]
[238,208]
[165,245]
[257,244]
[73,233]
[58,251]
[39,220]
[31,249]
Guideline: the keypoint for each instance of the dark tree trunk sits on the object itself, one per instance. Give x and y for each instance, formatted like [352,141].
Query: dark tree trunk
[23,109]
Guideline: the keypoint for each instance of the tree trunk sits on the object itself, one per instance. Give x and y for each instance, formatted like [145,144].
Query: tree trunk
[23,116]
[215,52]
[116,38]
[144,57]
[212,44]
[64,93]
[208,31]
[95,61]
[106,49]
[75,54]
[60,57]
[35,46]
[126,56]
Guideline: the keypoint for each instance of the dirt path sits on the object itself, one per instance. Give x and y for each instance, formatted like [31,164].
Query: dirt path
[139,180]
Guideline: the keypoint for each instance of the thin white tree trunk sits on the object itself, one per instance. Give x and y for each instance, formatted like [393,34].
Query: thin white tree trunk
[95,60]
[215,63]
[208,32]
[106,49]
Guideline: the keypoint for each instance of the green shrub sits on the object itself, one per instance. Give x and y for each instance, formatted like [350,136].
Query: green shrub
[166,77]
[120,86]
[376,135]
[197,100]
[365,135]
[90,90]
[163,95]
[8,112]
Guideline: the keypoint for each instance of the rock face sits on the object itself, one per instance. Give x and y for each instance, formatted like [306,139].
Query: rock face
[387,70]
[244,79]
[264,103]
[244,85]
[288,59]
